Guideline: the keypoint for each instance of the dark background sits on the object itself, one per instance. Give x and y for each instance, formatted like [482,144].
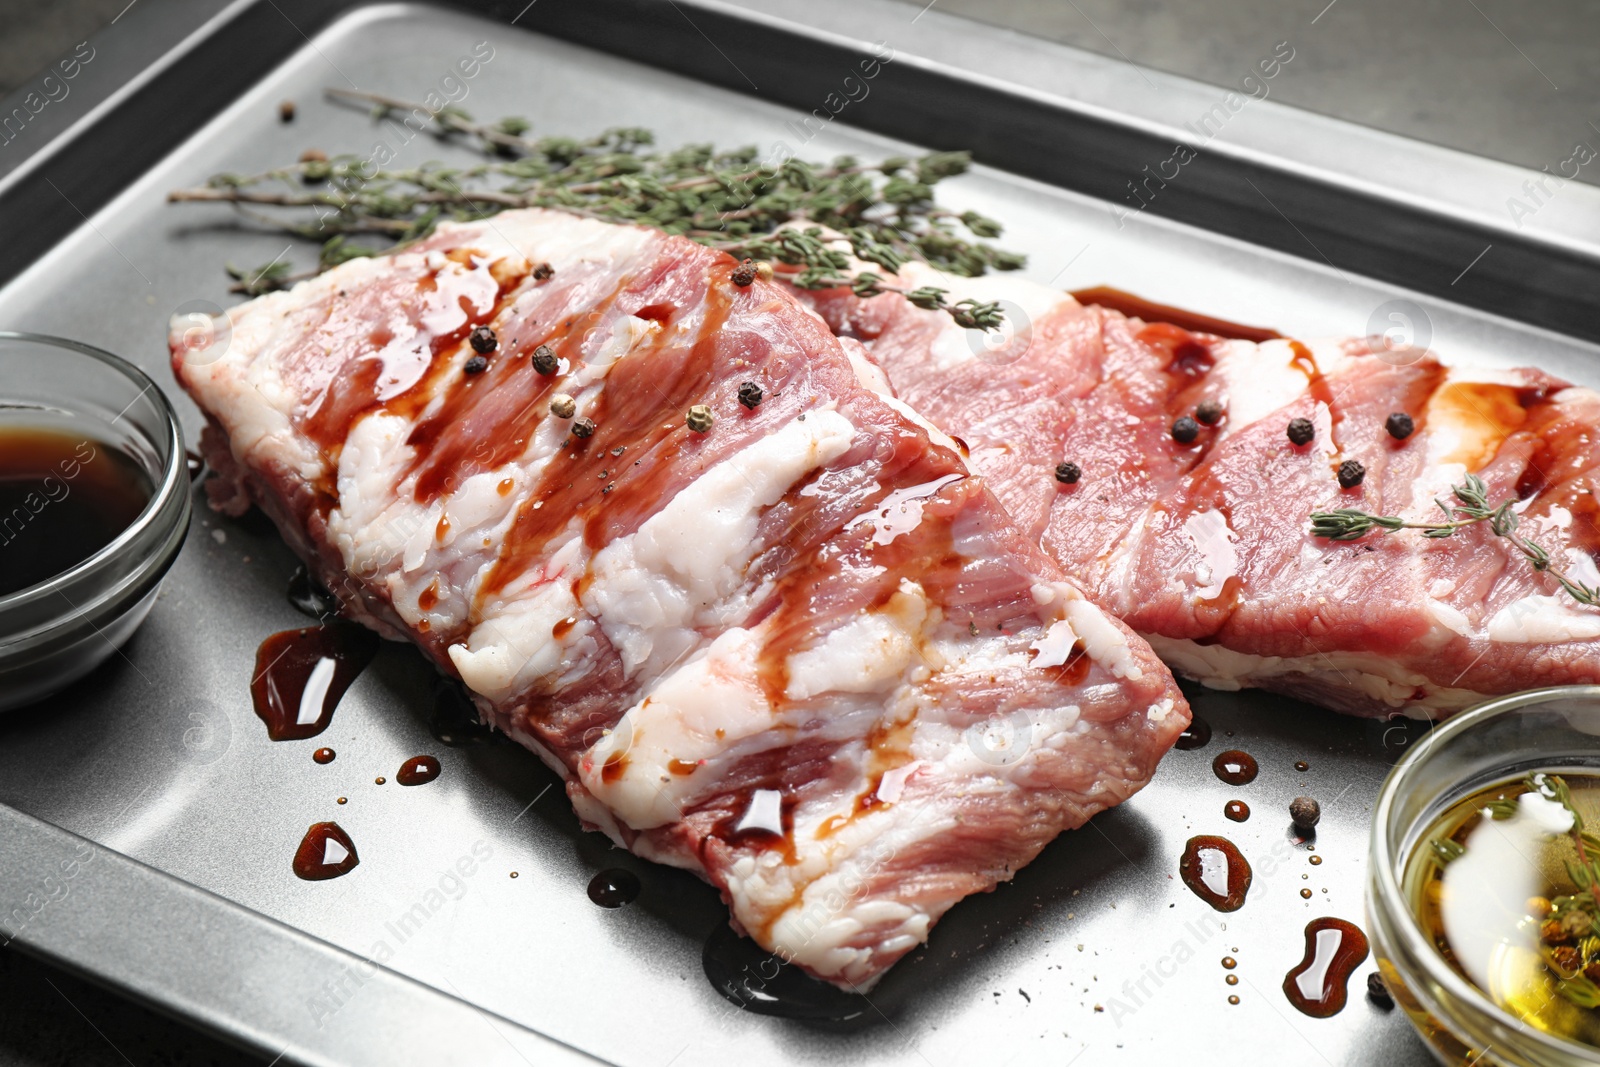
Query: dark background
[1500,78]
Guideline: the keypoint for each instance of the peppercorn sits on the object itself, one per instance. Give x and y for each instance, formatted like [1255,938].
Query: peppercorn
[699,418]
[483,340]
[750,394]
[1305,812]
[1209,412]
[543,271]
[744,274]
[1068,473]
[563,406]
[583,427]
[1378,990]
[1301,431]
[476,365]
[286,111]
[1351,472]
[1399,425]
[1185,430]
[544,360]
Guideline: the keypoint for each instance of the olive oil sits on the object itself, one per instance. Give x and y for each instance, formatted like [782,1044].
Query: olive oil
[1506,883]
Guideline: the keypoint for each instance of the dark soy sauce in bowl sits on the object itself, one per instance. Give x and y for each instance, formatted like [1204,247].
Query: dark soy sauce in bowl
[63,497]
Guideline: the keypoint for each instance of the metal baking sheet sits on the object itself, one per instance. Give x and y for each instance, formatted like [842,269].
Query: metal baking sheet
[1095,953]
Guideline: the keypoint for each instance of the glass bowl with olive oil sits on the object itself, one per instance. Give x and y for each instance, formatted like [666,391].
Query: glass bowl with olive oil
[94,507]
[1484,883]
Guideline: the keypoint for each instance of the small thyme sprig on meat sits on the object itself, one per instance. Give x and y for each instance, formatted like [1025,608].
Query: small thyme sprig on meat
[1473,508]
[784,212]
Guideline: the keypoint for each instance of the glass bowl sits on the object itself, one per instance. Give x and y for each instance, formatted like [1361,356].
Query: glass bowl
[1540,730]
[56,631]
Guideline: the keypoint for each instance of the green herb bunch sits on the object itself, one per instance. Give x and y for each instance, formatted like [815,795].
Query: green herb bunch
[783,212]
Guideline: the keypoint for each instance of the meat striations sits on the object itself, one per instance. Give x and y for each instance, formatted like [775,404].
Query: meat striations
[803,653]
[1203,546]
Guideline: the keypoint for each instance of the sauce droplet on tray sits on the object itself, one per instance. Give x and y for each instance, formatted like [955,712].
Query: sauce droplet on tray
[1196,735]
[418,770]
[301,674]
[1334,949]
[1217,872]
[614,887]
[325,852]
[761,983]
[323,755]
[1236,810]
[1235,767]
[308,596]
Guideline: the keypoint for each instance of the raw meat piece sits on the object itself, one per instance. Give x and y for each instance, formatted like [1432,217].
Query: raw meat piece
[1204,547]
[805,653]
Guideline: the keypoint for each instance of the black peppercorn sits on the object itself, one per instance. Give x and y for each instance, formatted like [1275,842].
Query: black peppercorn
[543,271]
[544,360]
[1351,472]
[1378,990]
[1399,425]
[1185,430]
[750,394]
[583,427]
[476,365]
[1209,412]
[483,340]
[1068,473]
[286,111]
[744,274]
[1301,431]
[1305,813]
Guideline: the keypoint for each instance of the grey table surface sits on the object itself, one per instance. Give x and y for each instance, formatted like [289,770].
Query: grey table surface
[1498,78]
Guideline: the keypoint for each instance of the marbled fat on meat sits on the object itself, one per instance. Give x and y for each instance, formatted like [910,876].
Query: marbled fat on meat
[805,654]
[1204,548]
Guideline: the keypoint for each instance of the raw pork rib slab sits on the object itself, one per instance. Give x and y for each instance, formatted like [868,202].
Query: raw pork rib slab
[804,654]
[1204,548]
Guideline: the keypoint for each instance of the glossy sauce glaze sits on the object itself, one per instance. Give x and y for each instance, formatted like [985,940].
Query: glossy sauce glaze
[614,887]
[1317,985]
[418,770]
[760,982]
[1236,810]
[323,755]
[1235,767]
[63,498]
[325,852]
[1216,871]
[301,675]
[1136,307]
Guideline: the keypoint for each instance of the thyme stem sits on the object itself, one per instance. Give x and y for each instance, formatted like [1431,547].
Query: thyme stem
[1472,508]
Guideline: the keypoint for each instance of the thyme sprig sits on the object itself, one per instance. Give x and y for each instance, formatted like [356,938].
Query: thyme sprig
[1471,509]
[802,217]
